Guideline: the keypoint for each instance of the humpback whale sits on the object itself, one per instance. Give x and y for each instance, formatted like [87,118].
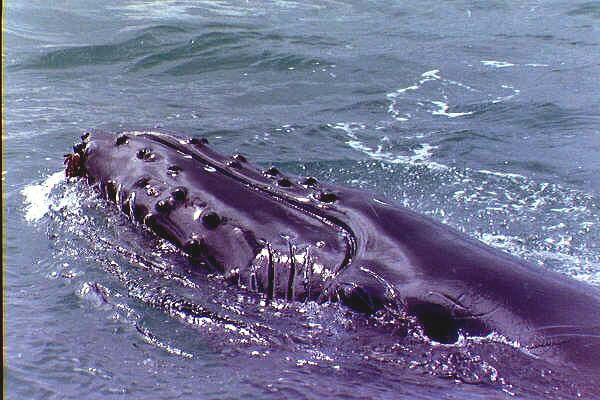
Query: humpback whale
[299,239]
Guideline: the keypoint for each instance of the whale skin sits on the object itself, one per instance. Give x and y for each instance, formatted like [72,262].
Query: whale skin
[299,239]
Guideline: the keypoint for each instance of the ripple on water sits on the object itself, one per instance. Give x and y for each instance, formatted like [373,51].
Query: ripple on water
[170,49]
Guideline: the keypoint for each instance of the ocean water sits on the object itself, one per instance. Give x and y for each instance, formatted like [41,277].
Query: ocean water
[481,114]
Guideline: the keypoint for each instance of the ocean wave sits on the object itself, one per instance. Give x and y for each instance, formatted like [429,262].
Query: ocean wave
[265,60]
[169,49]
[588,9]
[532,115]
[224,50]
[146,41]
[190,9]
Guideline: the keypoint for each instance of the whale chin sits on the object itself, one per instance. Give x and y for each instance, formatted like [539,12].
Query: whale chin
[298,239]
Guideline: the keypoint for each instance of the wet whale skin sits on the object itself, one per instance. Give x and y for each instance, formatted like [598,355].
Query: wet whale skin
[295,238]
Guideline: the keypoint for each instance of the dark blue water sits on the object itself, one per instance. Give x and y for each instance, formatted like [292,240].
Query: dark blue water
[484,115]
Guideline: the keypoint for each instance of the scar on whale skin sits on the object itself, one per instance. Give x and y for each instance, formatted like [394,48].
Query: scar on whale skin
[298,239]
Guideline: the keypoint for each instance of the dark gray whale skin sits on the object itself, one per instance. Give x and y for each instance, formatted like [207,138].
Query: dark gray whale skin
[298,239]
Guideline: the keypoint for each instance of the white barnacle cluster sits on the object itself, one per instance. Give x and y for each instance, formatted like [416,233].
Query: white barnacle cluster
[151,191]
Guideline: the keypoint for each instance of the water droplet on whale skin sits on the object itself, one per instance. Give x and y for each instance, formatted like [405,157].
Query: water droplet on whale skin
[174,170]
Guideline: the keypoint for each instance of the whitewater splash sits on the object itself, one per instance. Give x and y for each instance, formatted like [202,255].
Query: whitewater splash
[37,197]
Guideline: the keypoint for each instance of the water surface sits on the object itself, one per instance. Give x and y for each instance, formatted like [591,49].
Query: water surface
[483,115]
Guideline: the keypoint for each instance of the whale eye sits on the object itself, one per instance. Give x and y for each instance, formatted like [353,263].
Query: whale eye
[272,171]
[123,139]
[179,193]
[284,182]
[239,157]
[327,197]
[211,220]
[309,181]
[174,170]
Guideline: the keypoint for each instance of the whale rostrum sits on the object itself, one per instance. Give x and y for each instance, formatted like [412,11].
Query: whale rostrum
[298,239]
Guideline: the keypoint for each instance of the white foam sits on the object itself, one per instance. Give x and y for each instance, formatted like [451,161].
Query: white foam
[420,155]
[37,196]
[443,110]
[500,99]
[506,64]
[348,127]
[178,9]
[434,73]
[427,76]
[497,64]
[502,174]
